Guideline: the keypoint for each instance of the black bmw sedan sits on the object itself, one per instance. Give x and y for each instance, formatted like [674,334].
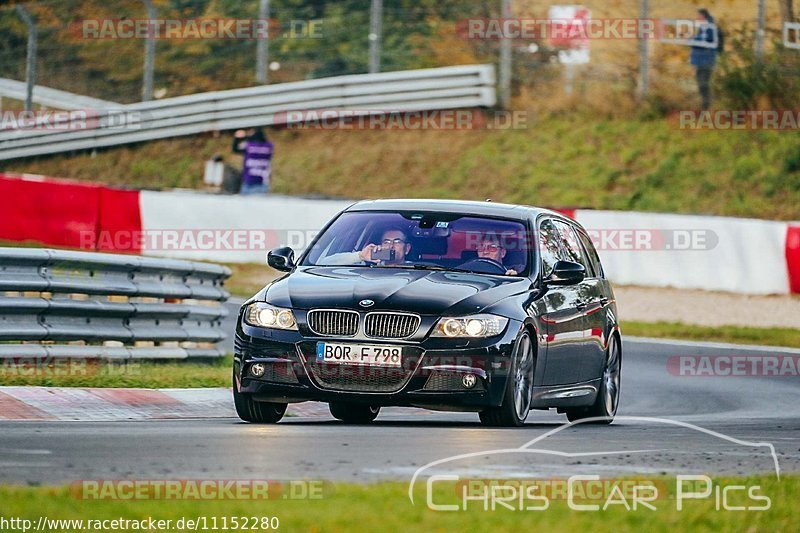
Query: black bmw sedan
[449,305]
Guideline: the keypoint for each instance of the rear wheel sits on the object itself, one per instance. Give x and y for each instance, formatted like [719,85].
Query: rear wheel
[250,410]
[519,389]
[354,413]
[605,406]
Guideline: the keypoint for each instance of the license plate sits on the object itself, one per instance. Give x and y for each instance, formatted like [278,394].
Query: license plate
[359,354]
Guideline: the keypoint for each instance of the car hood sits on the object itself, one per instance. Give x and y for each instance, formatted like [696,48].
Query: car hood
[420,291]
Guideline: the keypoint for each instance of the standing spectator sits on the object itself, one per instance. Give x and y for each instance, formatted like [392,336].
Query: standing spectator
[704,56]
[257,166]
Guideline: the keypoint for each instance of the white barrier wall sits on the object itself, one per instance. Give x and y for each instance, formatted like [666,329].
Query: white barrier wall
[745,256]
[691,252]
[229,229]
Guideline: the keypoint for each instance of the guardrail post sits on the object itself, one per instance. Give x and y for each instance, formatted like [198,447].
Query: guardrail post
[149,53]
[644,59]
[760,32]
[505,60]
[262,47]
[30,68]
[375,28]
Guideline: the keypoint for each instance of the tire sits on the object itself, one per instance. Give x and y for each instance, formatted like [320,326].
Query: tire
[255,412]
[605,405]
[519,389]
[354,413]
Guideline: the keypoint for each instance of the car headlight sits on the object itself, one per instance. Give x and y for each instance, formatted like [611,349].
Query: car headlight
[263,315]
[470,326]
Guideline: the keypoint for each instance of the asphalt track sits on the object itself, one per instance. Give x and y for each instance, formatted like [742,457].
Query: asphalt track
[698,417]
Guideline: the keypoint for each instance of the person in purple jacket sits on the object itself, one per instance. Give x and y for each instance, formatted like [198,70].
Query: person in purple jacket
[257,166]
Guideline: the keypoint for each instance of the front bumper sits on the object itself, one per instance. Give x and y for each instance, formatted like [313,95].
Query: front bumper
[430,374]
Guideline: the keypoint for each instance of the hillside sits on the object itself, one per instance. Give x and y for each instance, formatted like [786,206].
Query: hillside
[558,160]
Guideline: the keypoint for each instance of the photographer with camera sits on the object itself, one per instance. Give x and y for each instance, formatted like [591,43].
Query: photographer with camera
[392,250]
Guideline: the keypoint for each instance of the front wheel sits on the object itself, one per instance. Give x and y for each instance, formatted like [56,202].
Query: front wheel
[519,389]
[605,405]
[250,410]
[353,413]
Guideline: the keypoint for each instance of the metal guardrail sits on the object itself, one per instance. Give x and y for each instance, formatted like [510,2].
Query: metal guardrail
[55,98]
[120,306]
[413,90]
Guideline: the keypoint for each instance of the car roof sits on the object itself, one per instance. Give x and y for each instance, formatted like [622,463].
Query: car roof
[464,207]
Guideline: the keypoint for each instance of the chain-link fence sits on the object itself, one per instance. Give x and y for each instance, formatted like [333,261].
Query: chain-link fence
[86,47]
[91,47]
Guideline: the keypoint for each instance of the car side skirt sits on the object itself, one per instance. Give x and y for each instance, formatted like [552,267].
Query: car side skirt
[573,395]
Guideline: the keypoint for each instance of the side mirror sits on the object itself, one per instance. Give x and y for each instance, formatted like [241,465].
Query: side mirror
[566,273]
[281,259]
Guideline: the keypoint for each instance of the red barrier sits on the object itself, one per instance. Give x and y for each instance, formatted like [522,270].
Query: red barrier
[66,214]
[793,258]
[120,221]
[566,212]
[50,212]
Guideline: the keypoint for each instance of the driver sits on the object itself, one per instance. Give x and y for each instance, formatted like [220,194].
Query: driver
[492,250]
[392,239]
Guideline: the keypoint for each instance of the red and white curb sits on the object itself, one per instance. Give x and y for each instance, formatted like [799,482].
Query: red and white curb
[63,403]
[100,404]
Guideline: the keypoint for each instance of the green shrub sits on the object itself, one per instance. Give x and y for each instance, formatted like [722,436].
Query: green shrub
[744,82]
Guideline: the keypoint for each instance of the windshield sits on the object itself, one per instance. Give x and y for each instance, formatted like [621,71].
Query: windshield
[436,241]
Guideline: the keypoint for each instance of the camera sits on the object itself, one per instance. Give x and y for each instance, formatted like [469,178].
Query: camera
[386,254]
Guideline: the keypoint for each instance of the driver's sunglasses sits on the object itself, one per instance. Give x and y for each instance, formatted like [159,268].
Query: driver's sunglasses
[489,246]
[390,242]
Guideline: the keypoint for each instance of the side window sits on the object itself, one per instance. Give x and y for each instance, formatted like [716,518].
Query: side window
[550,246]
[572,246]
[591,252]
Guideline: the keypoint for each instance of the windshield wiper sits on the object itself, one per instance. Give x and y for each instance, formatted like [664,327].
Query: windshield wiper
[431,267]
